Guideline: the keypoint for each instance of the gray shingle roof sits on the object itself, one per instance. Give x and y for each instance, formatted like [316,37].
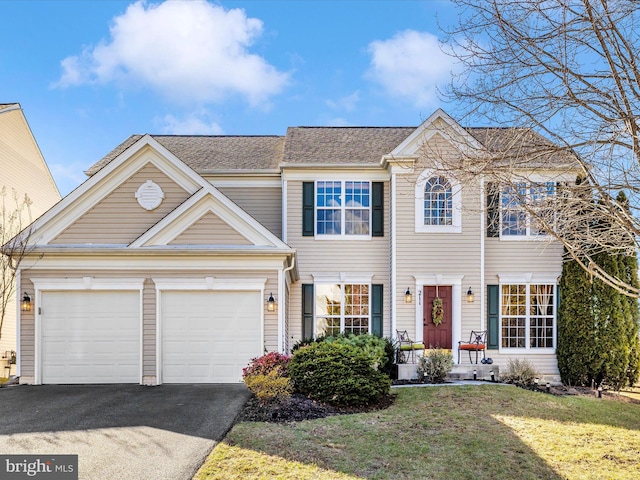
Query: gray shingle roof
[316,145]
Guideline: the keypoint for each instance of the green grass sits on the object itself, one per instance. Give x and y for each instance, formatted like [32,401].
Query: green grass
[465,432]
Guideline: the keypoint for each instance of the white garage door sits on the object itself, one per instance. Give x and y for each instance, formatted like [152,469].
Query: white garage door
[90,337]
[209,337]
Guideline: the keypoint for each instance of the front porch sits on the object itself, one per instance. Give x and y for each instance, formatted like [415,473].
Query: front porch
[483,372]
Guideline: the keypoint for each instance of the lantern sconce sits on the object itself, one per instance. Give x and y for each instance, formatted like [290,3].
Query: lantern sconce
[469,295]
[25,306]
[408,297]
[271,303]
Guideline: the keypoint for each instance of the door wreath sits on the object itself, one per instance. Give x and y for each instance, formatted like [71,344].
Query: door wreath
[437,312]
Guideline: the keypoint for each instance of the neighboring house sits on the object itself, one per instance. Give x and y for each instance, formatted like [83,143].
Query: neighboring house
[160,268]
[23,171]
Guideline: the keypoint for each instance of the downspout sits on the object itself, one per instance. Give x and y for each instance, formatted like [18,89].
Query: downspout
[392,242]
[483,216]
[281,296]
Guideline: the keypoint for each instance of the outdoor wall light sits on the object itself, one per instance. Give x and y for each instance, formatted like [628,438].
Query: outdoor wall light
[408,298]
[271,303]
[25,306]
[469,295]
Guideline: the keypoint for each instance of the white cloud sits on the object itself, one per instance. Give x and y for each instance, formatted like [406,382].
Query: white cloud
[347,103]
[187,50]
[191,125]
[410,66]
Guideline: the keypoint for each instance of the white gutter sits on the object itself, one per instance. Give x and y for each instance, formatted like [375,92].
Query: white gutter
[281,310]
[18,280]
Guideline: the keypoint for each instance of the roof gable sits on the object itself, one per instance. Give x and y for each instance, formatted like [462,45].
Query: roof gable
[209,201]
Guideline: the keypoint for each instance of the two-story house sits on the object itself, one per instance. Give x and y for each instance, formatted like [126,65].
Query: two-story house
[182,257]
[23,171]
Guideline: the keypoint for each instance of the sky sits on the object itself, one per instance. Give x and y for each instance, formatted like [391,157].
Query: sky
[90,73]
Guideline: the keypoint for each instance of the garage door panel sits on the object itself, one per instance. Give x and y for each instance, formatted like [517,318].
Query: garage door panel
[209,337]
[91,337]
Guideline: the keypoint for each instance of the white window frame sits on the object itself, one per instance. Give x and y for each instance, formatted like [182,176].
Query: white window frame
[528,235]
[456,204]
[340,279]
[528,280]
[344,208]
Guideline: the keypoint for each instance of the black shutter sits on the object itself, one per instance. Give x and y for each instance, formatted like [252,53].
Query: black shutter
[308,201]
[493,316]
[377,209]
[376,309]
[493,210]
[307,311]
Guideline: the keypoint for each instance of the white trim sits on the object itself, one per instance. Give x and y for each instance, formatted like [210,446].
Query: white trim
[529,277]
[371,173]
[342,277]
[41,285]
[284,207]
[18,280]
[456,204]
[241,182]
[455,281]
[205,284]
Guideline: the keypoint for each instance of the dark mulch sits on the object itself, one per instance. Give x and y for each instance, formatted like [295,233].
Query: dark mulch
[298,407]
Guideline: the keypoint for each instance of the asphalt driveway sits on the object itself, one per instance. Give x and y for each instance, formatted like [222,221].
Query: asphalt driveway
[120,431]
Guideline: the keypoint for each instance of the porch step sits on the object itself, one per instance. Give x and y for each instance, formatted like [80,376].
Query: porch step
[409,371]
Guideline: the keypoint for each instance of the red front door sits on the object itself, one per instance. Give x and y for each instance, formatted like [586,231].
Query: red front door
[436,336]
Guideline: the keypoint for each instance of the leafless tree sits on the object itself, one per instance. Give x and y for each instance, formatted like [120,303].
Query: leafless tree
[566,74]
[15,214]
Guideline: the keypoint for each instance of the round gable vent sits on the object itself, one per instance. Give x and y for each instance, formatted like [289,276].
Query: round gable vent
[149,195]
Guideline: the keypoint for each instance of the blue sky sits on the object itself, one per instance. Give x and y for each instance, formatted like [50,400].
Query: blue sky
[89,74]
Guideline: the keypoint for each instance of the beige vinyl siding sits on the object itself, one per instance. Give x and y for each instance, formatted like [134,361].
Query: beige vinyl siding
[27,334]
[318,256]
[210,229]
[149,348]
[427,254]
[262,203]
[118,218]
[521,256]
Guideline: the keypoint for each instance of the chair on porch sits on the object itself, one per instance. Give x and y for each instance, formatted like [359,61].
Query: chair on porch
[406,347]
[477,343]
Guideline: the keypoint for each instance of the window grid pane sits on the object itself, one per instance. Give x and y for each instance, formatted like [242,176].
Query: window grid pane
[329,208]
[438,202]
[527,316]
[357,203]
[342,308]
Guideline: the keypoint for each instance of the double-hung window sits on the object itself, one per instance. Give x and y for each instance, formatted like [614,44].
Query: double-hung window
[343,208]
[342,308]
[527,316]
[519,202]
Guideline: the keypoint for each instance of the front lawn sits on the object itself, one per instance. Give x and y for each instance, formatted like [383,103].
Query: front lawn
[462,432]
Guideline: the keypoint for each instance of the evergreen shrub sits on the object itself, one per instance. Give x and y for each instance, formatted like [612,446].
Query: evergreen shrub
[337,373]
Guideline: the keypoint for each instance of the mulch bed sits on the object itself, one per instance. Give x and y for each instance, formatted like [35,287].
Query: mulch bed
[298,407]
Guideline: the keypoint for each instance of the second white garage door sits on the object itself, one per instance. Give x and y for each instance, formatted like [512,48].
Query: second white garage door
[209,337]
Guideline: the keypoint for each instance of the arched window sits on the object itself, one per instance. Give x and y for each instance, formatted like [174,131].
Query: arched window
[438,202]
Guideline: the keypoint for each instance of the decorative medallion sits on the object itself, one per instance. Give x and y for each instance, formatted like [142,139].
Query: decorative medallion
[149,195]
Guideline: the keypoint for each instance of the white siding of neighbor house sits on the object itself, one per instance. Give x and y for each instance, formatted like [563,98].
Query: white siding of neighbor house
[318,256]
[421,254]
[27,333]
[210,229]
[118,218]
[262,203]
[23,171]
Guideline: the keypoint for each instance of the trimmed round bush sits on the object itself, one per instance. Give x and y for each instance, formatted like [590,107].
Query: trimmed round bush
[338,374]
